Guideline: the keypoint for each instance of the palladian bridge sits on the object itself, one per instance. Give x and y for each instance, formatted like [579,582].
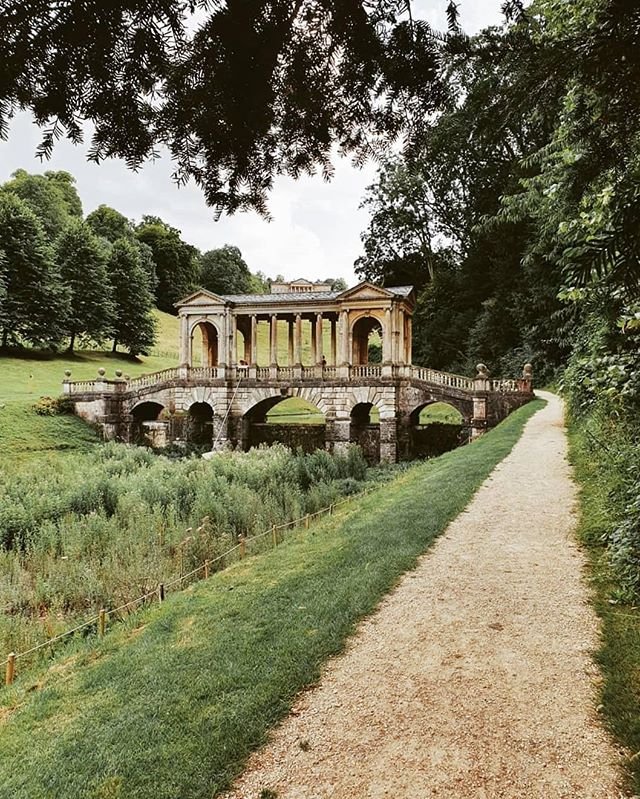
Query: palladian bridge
[318,346]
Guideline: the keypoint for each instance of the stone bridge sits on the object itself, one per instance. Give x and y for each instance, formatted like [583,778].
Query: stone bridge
[219,405]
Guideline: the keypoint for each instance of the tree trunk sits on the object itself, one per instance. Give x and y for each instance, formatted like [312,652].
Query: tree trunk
[72,342]
[115,345]
[5,338]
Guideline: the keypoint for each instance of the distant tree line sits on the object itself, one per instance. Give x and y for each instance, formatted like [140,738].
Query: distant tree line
[65,279]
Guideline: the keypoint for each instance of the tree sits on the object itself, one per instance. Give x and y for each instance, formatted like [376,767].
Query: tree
[82,264]
[175,261]
[253,90]
[337,283]
[134,325]
[109,224]
[224,271]
[36,304]
[65,184]
[4,277]
[44,197]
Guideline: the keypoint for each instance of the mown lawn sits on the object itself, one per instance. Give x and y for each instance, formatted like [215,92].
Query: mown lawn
[170,705]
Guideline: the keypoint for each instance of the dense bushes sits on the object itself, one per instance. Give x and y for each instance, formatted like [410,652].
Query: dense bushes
[108,526]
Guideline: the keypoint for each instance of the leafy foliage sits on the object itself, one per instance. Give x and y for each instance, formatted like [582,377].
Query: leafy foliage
[224,271]
[133,323]
[241,93]
[81,261]
[109,224]
[36,300]
[176,262]
[52,197]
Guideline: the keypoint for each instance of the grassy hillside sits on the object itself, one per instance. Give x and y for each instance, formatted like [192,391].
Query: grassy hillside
[170,704]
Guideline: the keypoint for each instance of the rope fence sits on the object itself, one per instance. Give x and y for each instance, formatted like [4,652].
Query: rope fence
[99,620]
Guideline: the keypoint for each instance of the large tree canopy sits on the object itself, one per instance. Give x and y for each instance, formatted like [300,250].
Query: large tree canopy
[237,91]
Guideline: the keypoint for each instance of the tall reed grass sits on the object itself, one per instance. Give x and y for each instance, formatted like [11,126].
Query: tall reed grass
[100,529]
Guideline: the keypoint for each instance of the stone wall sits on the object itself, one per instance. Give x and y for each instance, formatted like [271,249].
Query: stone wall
[308,437]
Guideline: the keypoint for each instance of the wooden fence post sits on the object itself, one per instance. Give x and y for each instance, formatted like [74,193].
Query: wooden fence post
[274,536]
[11,668]
[161,592]
[206,570]
[306,522]
[243,546]
[102,621]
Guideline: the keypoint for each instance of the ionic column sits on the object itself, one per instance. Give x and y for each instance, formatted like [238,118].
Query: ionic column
[319,342]
[401,345]
[408,344]
[274,340]
[333,343]
[298,341]
[290,341]
[254,340]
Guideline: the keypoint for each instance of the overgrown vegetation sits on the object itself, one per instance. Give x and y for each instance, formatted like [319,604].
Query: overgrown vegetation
[108,526]
[172,704]
[606,457]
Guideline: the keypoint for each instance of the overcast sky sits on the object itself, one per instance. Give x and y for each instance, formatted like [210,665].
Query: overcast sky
[316,226]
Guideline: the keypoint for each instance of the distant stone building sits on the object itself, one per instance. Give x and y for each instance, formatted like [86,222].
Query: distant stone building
[299,286]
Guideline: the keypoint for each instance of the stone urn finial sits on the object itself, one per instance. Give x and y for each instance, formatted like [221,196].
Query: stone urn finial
[527,371]
[67,373]
[482,370]
[101,372]
[118,373]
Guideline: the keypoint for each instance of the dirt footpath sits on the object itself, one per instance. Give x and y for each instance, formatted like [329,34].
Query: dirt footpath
[474,677]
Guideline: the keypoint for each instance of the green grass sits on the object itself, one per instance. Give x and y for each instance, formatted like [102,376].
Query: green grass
[619,652]
[24,434]
[170,705]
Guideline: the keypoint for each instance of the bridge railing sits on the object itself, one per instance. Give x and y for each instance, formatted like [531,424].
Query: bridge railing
[103,385]
[442,378]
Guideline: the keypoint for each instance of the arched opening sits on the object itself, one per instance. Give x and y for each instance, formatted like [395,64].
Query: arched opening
[291,421]
[147,428]
[205,349]
[200,429]
[365,430]
[436,427]
[366,339]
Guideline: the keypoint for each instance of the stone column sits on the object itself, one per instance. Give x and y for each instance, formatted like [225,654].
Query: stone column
[297,355]
[333,361]
[319,342]
[233,340]
[401,345]
[314,343]
[274,339]
[344,343]
[290,327]
[409,341]
[185,349]
[253,359]
[387,338]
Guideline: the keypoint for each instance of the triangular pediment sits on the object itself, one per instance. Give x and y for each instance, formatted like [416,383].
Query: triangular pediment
[366,291]
[200,297]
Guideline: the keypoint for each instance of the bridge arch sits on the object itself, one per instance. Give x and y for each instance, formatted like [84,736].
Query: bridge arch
[211,341]
[437,426]
[257,427]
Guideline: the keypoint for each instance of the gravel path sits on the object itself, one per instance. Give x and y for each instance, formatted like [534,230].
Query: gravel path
[474,677]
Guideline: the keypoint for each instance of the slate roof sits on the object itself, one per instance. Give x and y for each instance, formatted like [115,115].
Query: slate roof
[294,296]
